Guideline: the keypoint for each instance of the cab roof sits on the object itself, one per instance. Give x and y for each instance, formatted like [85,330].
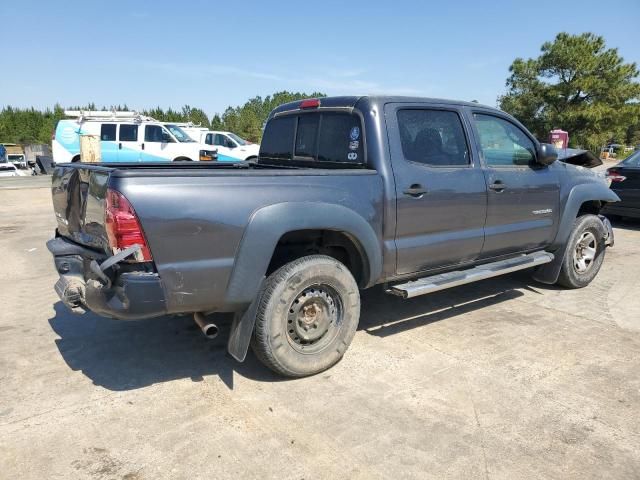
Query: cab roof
[367,101]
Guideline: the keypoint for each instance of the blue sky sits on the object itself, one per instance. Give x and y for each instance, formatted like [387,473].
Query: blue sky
[215,54]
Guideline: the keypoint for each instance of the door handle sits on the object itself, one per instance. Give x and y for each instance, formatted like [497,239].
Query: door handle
[142,146]
[416,190]
[119,146]
[497,186]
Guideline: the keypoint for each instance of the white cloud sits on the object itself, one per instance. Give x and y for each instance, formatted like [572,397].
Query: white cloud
[333,81]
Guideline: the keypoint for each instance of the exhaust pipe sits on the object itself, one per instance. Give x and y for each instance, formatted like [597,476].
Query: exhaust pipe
[210,330]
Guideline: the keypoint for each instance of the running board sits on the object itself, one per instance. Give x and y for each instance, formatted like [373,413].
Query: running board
[434,283]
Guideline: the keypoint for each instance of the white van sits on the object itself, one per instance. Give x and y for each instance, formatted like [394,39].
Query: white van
[126,137]
[231,147]
[7,169]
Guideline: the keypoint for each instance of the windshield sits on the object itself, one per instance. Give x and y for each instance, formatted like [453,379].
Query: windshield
[15,158]
[239,141]
[179,134]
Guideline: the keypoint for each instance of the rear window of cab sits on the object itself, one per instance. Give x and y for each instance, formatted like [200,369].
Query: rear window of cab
[327,138]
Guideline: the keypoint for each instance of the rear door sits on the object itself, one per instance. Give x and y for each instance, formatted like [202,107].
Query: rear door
[108,142]
[128,143]
[523,197]
[440,189]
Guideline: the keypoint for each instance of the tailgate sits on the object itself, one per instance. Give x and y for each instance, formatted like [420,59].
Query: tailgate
[78,193]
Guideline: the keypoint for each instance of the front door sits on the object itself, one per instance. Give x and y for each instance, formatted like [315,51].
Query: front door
[158,144]
[523,197]
[128,144]
[440,189]
[225,147]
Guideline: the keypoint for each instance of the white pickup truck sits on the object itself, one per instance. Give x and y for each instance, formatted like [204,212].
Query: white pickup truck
[230,146]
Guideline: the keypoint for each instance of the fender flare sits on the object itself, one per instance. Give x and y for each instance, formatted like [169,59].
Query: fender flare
[267,225]
[549,273]
[577,196]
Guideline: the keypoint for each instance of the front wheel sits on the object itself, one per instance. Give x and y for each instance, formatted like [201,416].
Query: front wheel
[307,316]
[584,253]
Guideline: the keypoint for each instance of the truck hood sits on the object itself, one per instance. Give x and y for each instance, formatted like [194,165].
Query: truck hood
[576,156]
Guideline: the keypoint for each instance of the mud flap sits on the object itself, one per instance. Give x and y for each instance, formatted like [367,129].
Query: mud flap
[241,331]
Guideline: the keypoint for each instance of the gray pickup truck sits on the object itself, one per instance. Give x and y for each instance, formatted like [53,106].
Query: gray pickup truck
[348,192]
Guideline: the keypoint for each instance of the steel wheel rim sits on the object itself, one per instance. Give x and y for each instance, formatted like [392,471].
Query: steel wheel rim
[584,253]
[314,318]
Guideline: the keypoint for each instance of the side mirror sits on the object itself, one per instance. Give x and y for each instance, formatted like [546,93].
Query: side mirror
[547,154]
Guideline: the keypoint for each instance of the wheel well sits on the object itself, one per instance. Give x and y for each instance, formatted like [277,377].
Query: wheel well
[75,159]
[590,207]
[251,158]
[339,245]
[182,159]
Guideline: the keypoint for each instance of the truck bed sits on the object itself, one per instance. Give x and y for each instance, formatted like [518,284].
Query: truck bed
[194,215]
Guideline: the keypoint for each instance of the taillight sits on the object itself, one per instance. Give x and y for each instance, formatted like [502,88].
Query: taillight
[123,227]
[615,176]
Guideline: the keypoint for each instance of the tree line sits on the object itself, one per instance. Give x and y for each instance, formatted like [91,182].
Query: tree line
[30,125]
[577,84]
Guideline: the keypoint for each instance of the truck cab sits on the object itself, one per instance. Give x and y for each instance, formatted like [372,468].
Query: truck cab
[7,169]
[16,155]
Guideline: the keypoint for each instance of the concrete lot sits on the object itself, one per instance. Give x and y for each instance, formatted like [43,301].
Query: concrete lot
[501,379]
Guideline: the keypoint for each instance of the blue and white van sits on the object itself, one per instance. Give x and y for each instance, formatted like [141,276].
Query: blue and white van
[126,137]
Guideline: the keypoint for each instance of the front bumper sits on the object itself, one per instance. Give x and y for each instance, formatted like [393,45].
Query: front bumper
[130,296]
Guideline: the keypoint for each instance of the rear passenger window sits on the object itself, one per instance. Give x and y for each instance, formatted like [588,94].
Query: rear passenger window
[108,132]
[323,137]
[128,133]
[433,137]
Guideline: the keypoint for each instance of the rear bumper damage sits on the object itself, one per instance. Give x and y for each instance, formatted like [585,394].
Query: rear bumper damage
[130,296]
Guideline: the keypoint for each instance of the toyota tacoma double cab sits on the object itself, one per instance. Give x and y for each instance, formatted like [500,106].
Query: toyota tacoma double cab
[347,192]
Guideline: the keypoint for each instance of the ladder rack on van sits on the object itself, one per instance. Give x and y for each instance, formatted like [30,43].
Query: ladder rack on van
[108,115]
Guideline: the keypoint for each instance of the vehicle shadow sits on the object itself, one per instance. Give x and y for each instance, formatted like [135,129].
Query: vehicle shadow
[384,315]
[127,355]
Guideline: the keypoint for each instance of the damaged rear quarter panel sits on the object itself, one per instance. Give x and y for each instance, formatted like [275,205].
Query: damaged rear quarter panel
[195,223]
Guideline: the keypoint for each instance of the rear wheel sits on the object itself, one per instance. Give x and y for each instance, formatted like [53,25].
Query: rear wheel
[584,253]
[307,316]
